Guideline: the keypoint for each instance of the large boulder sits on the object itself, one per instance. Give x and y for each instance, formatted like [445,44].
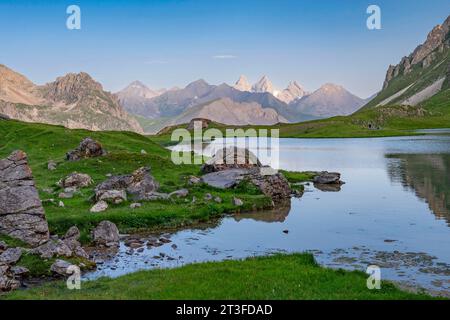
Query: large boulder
[53,248]
[326,177]
[88,148]
[140,184]
[106,234]
[231,158]
[10,256]
[225,179]
[21,213]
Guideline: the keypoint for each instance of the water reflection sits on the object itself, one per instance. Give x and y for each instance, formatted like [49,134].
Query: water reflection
[428,176]
[275,215]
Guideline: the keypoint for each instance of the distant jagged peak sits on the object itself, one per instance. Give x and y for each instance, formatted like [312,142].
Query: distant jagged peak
[137,89]
[263,85]
[242,84]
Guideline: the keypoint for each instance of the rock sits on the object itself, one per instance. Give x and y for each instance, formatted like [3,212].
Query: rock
[60,267]
[112,196]
[106,234]
[143,151]
[61,204]
[274,186]
[88,148]
[21,213]
[99,207]
[208,197]
[8,284]
[19,271]
[53,248]
[65,195]
[73,233]
[139,184]
[3,246]
[182,193]
[199,122]
[135,205]
[51,165]
[225,179]
[76,180]
[153,196]
[328,178]
[218,199]
[237,202]
[231,158]
[194,180]
[10,256]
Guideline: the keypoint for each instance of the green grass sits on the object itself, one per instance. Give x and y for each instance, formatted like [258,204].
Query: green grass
[296,177]
[46,142]
[294,276]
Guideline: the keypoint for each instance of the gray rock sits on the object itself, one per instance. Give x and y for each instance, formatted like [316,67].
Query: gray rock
[21,213]
[65,195]
[51,165]
[328,178]
[60,267]
[19,271]
[10,256]
[99,207]
[53,248]
[8,284]
[208,197]
[237,202]
[106,234]
[61,204]
[182,193]
[143,151]
[194,180]
[71,239]
[231,158]
[135,205]
[88,148]
[112,196]
[218,199]
[138,184]
[153,196]
[76,180]
[225,179]
[3,246]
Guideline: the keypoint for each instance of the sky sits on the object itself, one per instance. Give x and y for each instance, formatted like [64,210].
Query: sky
[167,43]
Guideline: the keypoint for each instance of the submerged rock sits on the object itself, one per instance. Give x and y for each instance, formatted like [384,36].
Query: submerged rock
[88,148]
[21,213]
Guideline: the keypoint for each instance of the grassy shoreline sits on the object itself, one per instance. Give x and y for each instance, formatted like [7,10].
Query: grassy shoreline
[290,277]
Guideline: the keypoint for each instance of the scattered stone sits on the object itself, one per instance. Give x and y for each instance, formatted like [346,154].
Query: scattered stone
[65,195]
[99,207]
[237,202]
[21,213]
[231,158]
[8,284]
[153,196]
[112,196]
[194,180]
[10,256]
[88,148]
[194,199]
[143,151]
[75,179]
[61,204]
[60,267]
[51,165]
[53,248]
[135,205]
[218,199]
[208,197]
[106,234]
[182,193]
[3,246]
[164,240]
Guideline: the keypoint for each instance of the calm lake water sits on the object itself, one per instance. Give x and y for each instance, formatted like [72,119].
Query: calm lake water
[393,211]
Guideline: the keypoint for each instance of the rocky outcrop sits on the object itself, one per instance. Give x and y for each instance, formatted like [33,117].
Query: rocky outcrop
[88,148]
[106,234]
[140,184]
[424,55]
[21,213]
[204,123]
[231,158]
[263,85]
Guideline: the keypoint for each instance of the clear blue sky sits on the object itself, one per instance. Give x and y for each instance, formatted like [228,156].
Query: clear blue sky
[173,42]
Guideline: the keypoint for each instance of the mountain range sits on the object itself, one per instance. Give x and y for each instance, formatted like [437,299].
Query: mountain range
[293,104]
[74,101]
